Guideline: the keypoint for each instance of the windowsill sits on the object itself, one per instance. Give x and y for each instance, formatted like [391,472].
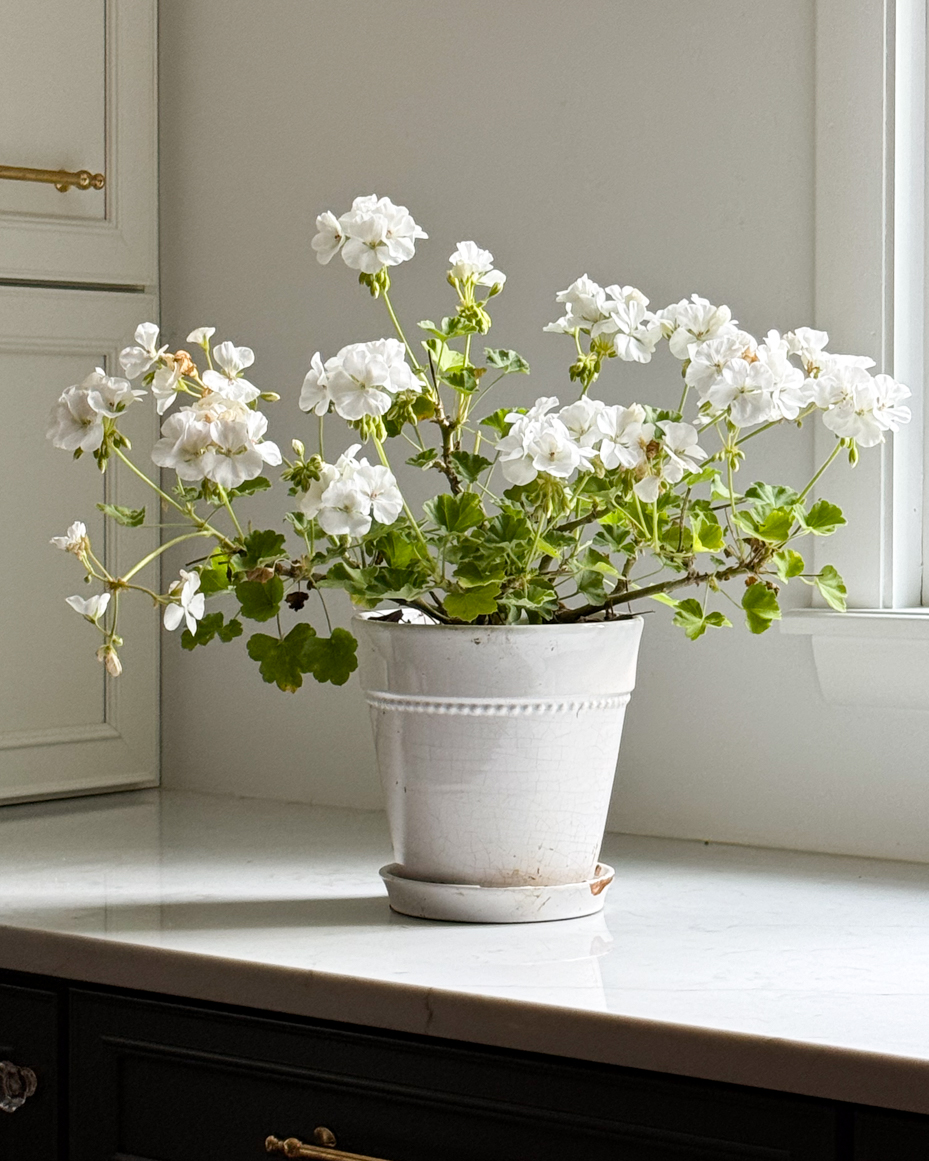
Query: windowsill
[868,657]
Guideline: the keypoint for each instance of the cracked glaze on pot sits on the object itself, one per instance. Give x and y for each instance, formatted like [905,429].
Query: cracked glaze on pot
[497,745]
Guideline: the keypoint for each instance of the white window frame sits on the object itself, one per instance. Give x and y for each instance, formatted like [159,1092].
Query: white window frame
[870,295]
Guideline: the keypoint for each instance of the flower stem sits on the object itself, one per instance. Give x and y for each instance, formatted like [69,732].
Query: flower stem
[151,483]
[232,515]
[811,484]
[382,455]
[160,549]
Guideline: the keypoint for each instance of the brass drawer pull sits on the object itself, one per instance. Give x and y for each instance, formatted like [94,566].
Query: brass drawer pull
[16,1086]
[61,179]
[323,1148]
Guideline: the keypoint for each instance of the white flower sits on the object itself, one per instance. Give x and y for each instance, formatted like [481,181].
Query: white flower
[745,390]
[648,488]
[92,608]
[314,395]
[74,540]
[201,336]
[377,234]
[586,303]
[136,361]
[190,604]
[107,395]
[345,511]
[329,238]
[682,455]
[379,486]
[345,467]
[791,391]
[626,435]
[364,376]
[238,451]
[471,263]
[580,419]
[539,442]
[707,359]
[634,330]
[109,658]
[185,438]
[74,423]
[810,345]
[164,386]
[854,417]
[229,382]
[686,322]
[889,409]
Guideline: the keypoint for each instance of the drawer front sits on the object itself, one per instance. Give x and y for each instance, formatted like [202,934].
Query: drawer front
[29,1038]
[158,1081]
[887,1136]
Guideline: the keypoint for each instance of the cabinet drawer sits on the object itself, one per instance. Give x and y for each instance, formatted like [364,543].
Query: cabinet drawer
[888,1136]
[29,1038]
[156,1081]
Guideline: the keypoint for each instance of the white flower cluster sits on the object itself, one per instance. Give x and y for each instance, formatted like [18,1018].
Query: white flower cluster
[360,380]
[614,314]
[568,441]
[756,383]
[350,493]
[218,439]
[373,234]
[190,605]
[472,264]
[76,421]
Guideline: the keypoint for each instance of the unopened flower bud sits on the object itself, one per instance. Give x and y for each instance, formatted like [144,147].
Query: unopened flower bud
[269,396]
[299,447]
[108,657]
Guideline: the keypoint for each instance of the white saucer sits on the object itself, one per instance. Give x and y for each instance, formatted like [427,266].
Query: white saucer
[467,903]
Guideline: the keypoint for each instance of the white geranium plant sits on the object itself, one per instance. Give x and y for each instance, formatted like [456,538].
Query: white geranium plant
[563,512]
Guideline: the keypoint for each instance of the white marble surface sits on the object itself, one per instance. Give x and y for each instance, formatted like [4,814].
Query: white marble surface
[805,973]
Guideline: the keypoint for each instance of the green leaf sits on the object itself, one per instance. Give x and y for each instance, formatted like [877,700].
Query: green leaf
[473,603]
[767,497]
[832,588]
[399,551]
[281,661]
[470,574]
[456,513]
[214,574]
[250,487]
[508,361]
[128,517]
[443,357]
[707,534]
[230,630]
[776,526]
[464,380]
[261,547]
[207,628]
[691,618]
[260,602]
[823,518]
[424,459]
[498,420]
[470,466]
[761,607]
[329,658]
[788,564]
[449,328]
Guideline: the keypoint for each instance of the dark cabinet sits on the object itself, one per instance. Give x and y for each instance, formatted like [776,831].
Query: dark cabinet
[168,1082]
[125,1077]
[29,1039]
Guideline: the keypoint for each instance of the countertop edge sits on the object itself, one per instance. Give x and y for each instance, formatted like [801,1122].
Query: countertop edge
[791,1066]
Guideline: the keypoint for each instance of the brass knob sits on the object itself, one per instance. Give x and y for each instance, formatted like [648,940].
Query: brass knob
[16,1086]
[61,179]
[322,1149]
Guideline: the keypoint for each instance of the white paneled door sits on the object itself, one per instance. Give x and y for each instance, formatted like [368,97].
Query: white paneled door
[65,727]
[77,92]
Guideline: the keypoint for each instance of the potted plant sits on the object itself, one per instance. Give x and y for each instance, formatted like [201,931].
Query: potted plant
[496,633]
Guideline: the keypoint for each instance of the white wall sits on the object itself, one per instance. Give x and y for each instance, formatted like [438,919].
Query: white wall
[667,144]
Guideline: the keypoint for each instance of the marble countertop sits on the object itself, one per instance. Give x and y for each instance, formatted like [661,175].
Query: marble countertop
[805,973]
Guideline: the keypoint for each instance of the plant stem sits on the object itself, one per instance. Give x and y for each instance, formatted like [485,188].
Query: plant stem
[232,515]
[393,318]
[151,483]
[159,550]
[382,455]
[810,485]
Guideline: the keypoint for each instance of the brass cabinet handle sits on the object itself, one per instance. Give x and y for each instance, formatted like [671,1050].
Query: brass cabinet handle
[323,1148]
[61,179]
[16,1086]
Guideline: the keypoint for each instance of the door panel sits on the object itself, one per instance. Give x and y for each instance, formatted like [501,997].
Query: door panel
[64,726]
[78,91]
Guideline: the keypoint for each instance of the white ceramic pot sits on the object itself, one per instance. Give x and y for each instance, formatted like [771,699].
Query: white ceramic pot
[497,749]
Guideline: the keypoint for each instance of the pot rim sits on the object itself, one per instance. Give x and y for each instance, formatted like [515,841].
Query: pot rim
[369,619]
